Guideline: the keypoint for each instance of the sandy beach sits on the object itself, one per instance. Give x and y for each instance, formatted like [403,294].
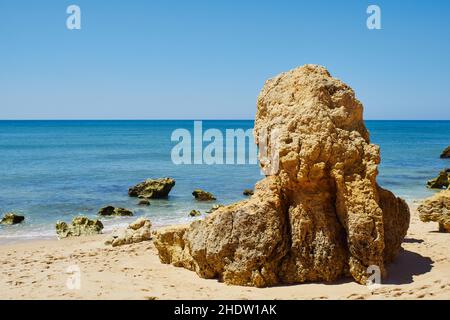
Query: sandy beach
[38,270]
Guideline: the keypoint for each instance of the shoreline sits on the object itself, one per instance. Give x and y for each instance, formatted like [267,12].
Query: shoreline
[119,224]
[11,241]
[38,270]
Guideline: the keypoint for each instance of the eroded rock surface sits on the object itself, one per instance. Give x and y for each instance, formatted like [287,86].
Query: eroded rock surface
[152,188]
[80,226]
[318,215]
[138,231]
[437,209]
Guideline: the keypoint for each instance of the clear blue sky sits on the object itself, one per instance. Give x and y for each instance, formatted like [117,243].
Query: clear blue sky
[209,59]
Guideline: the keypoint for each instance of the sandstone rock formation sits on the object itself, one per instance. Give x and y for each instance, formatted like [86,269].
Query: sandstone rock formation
[318,215]
[112,211]
[442,181]
[437,209]
[202,195]
[138,231]
[11,218]
[446,153]
[152,188]
[80,226]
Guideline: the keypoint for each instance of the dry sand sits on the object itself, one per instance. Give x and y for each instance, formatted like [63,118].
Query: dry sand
[38,270]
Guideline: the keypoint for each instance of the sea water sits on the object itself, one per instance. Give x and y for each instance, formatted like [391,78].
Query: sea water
[55,170]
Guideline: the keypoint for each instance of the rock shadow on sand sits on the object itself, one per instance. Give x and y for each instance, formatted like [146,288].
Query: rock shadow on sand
[413,240]
[407,265]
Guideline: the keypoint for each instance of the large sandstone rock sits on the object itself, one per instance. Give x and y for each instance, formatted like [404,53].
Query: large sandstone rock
[11,218]
[319,214]
[152,188]
[80,226]
[138,231]
[437,209]
[446,153]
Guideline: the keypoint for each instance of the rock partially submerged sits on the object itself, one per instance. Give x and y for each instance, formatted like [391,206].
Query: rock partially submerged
[319,214]
[214,208]
[437,209]
[144,202]
[446,153]
[80,226]
[202,195]
[152,188]
[138,231]
[194,213]
[113,211]
[248,192]
[442,181]
[12,218]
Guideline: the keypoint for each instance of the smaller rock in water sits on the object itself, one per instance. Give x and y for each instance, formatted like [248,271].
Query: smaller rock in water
[195,213]
[248,192]
[152,188]
[446,153]
[80,226]
[112,211]
[437,209]
[202,195]
[138,231]
[12,218]
[214,208]
[440,182]
[144,202]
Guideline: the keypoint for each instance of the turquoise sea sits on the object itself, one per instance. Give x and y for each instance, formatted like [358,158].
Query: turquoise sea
[54,170]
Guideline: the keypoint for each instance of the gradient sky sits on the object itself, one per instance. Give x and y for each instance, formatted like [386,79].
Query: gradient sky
[209,59]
